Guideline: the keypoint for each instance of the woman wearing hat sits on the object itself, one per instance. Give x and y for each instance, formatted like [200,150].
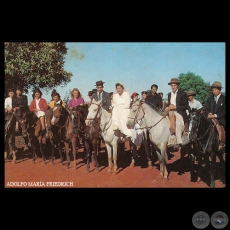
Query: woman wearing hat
[193,103]
[19,105]
[178,104]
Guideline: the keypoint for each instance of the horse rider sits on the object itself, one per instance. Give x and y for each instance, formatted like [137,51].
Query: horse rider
[193,103]
[39,105]
[134,97]
[154,98]
[144,95]
[177,106]
[56,98]
[215,110]
[102,95]
[120,112]
[19,105]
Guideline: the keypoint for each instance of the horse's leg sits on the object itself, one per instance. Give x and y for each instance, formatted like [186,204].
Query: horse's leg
[67,150]
[74,145]
[52,150]
[181,160]
[60,152]
[95,154]
[114,157]
[88,154]
[191,161]
[110,163]
[146,145]
[41,147]
[213,169]
[222,167]
[133,149]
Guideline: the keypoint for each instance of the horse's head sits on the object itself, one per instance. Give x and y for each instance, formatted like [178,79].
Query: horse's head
[194,123]
[135,114]
[57,113]
[49,116]
[25,121]
[93,112]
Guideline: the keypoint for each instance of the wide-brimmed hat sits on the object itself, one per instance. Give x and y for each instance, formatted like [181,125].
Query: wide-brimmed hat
[90,93]
[134,94]
[216,84]
[191,93]
[99,83]
[174,81]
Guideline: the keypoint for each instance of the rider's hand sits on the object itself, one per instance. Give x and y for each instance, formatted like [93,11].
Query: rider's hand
[211,115]
[172,106]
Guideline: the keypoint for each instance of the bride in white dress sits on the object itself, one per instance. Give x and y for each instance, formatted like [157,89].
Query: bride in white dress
[121,107]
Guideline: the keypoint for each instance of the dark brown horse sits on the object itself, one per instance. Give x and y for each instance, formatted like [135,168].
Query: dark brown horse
[61,119]
[9,137]
[32,131]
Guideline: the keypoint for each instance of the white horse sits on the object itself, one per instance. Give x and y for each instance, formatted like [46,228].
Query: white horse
[158,126]
[112,138]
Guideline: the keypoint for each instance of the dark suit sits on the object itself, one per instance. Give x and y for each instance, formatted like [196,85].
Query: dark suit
[218,109]
[106,101]
[21,102]
[181,104]
[155,100]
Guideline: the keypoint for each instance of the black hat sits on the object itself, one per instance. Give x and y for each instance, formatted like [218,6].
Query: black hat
[90,93]
[99,83]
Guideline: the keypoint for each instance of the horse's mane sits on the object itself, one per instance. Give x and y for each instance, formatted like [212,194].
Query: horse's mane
[152,106]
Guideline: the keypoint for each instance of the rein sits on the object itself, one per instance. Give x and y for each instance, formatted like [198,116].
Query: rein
[137,113]
[98,119]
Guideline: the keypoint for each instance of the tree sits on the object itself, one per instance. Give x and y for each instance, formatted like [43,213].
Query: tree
[190,81]
[35,65]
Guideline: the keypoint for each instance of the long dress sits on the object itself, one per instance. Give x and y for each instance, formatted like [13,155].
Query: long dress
[120,112]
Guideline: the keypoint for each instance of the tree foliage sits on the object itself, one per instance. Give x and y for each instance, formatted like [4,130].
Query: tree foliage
[190,81]
[35,65]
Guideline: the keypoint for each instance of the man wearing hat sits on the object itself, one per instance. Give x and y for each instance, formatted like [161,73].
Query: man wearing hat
[154,98]
[178,104]
[193,103]
[102,95]
[215,109]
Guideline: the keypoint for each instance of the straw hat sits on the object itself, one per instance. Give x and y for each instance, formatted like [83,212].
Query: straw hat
[174,81]
[191,93]
[216,84]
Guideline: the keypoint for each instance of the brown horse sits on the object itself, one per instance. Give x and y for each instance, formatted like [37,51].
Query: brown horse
[9,137]
[61,119]
[32,130]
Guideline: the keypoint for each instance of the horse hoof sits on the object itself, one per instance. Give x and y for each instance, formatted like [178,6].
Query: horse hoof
[131,166]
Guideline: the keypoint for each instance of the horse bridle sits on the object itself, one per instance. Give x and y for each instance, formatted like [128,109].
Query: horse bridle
[98,118]
[137,114]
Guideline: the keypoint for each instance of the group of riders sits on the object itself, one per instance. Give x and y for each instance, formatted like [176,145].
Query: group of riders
[118,103]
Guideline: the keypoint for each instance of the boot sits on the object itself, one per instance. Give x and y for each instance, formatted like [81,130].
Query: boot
[172,140]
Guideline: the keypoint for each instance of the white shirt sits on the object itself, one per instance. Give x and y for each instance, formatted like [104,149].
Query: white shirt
[173,98]
[217,97]
[8,103]
[99,93]
[195,104]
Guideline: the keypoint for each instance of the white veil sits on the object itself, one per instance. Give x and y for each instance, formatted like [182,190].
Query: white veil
[115,90]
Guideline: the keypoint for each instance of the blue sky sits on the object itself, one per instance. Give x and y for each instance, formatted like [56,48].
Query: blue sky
[138,65]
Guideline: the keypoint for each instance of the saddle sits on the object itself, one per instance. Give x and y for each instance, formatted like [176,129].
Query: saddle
[221,133]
